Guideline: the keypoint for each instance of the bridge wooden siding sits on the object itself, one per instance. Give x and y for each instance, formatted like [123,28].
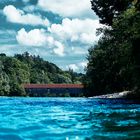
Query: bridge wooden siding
[44,90]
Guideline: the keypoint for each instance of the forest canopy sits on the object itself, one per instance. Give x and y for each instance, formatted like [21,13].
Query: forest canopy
[25,68]
[114,62]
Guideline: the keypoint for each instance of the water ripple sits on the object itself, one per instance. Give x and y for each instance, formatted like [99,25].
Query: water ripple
[69,119]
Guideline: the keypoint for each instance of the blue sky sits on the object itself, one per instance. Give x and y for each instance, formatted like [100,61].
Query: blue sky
[60,31]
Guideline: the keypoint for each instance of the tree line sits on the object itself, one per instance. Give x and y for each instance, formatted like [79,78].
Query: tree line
[114,61]
[25,68]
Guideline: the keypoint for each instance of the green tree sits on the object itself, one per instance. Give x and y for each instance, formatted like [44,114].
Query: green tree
[114,63]
[17,90]
[59,78]
[25,68]
[4,82]
[107,10]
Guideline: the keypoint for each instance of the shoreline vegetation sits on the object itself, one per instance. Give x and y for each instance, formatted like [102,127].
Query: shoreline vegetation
[30,69]
[114,61]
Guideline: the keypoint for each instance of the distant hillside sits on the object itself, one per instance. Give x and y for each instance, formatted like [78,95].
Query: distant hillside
[26,68]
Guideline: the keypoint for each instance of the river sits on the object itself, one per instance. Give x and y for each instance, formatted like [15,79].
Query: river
[69,119]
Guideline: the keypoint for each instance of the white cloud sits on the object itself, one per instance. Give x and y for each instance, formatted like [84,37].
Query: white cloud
[34,37]
[60,48]
[37,38]
[18,16]
[77,35]
[83,64]
[76,30]
[74,67]
[71,36]
[77,66]
[68,8]
[30,8]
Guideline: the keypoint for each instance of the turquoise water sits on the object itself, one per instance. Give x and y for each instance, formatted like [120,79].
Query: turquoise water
[69,119]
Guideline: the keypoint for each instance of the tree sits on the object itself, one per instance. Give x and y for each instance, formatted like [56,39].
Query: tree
[25,68]
[4,82]
[107,10]
[59,78]
[114,62]
[17,90]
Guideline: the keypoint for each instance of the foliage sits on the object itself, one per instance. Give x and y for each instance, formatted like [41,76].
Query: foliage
[76,78]
[25,68]
[114,62]
[107,10]
[4,82]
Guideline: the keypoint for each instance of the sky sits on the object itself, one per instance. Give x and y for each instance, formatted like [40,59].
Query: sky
[59,31]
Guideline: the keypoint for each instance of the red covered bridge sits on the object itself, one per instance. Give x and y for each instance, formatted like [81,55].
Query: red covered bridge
[44,90]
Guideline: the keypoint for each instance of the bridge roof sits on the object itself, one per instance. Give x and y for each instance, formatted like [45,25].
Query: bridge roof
[53,86]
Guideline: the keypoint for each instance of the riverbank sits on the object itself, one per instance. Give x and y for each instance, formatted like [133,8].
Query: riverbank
[124,94]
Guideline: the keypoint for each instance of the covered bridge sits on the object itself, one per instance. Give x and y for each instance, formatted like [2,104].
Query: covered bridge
[54,90]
